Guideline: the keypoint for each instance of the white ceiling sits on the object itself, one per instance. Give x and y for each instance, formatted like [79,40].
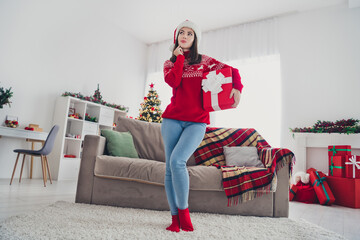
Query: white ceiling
[155,20]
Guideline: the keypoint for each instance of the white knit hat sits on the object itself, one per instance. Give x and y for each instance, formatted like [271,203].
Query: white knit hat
[188,24]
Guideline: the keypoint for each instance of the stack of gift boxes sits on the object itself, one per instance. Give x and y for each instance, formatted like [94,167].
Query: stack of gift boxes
[344,176]
[342,185]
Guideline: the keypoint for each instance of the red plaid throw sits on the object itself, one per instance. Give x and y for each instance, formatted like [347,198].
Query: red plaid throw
[243,183]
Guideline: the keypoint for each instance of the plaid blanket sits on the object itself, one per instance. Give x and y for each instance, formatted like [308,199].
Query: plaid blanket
[242,184]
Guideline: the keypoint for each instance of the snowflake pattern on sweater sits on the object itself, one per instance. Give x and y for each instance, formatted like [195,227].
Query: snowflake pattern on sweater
[197,70]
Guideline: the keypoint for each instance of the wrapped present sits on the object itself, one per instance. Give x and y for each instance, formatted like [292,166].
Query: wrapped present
[346,191]
[310,170]
[322,190]
[337,166]
[292,192]
[352,166]
[305,193]
[339,150]
[217,86]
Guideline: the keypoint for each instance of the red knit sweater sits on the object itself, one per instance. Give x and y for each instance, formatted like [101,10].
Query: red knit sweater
[185,80]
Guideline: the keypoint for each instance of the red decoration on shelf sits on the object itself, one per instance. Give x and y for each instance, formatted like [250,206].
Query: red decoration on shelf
[75,115]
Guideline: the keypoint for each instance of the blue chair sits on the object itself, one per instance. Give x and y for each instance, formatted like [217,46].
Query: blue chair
[42,153]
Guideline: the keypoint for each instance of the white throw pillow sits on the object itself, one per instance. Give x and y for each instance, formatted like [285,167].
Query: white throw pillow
[242,156]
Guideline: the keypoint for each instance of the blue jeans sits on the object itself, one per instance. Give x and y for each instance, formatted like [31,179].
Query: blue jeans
[181,139]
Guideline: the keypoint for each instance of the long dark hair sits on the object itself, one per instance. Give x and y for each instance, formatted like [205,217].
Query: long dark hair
[194,56]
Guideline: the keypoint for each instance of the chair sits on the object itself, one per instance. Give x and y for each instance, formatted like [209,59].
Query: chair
[42,153]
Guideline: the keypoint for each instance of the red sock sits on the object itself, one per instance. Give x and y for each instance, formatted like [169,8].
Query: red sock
[185,221]
[175,225]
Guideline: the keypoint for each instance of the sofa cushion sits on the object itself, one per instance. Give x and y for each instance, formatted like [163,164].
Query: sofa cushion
[119,144]
[206,178]
[147,137]
[132,169]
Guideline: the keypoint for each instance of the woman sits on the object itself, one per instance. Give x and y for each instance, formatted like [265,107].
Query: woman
[184,120]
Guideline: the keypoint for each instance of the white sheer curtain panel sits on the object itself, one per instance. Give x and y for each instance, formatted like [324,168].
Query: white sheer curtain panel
[249,40]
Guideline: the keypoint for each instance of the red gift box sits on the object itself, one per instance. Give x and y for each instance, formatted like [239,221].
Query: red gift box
[217,86]
[345,190]
[322,190]
[339,150]
[305,193]
[352,166]
[292,192]
[337,166]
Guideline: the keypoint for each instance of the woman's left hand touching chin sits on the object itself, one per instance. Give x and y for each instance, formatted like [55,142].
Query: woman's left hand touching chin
[236,93]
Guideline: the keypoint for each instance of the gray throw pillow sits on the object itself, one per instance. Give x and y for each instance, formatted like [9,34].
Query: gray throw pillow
[242,156]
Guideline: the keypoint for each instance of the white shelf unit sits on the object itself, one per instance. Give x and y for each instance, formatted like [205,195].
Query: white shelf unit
[72,132]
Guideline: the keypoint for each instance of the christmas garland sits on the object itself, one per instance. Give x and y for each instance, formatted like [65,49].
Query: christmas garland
[95,99]
[349,126]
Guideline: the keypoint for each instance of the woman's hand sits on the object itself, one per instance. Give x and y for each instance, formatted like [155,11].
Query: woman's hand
[236,93]
[178,51]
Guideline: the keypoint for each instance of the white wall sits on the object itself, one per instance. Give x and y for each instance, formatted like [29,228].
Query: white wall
[320,60]
[47,48]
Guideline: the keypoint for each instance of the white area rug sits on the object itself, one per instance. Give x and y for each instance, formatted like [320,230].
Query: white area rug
[64,220]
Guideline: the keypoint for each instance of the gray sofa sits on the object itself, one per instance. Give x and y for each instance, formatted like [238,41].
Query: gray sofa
[139,182]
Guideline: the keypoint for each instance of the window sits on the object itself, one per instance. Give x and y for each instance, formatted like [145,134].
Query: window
[260,103]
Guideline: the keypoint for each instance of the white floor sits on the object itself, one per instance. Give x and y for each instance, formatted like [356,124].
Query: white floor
[31,195]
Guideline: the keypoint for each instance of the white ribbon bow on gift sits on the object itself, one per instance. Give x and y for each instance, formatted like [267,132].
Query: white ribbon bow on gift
[354,163]
[213,84]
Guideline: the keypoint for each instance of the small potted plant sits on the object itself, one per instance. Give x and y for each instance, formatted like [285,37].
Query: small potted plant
[5,95]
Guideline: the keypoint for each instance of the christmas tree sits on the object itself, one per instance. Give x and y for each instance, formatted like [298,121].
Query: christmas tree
[97,95]
[150,109]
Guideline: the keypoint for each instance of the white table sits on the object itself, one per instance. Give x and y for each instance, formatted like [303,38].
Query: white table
[321,140]
[22,133]
[30,136]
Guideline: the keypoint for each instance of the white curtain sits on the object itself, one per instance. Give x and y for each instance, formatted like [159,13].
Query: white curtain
[249,40]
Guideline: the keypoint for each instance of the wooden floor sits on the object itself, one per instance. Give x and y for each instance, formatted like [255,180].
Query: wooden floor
[31,195]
